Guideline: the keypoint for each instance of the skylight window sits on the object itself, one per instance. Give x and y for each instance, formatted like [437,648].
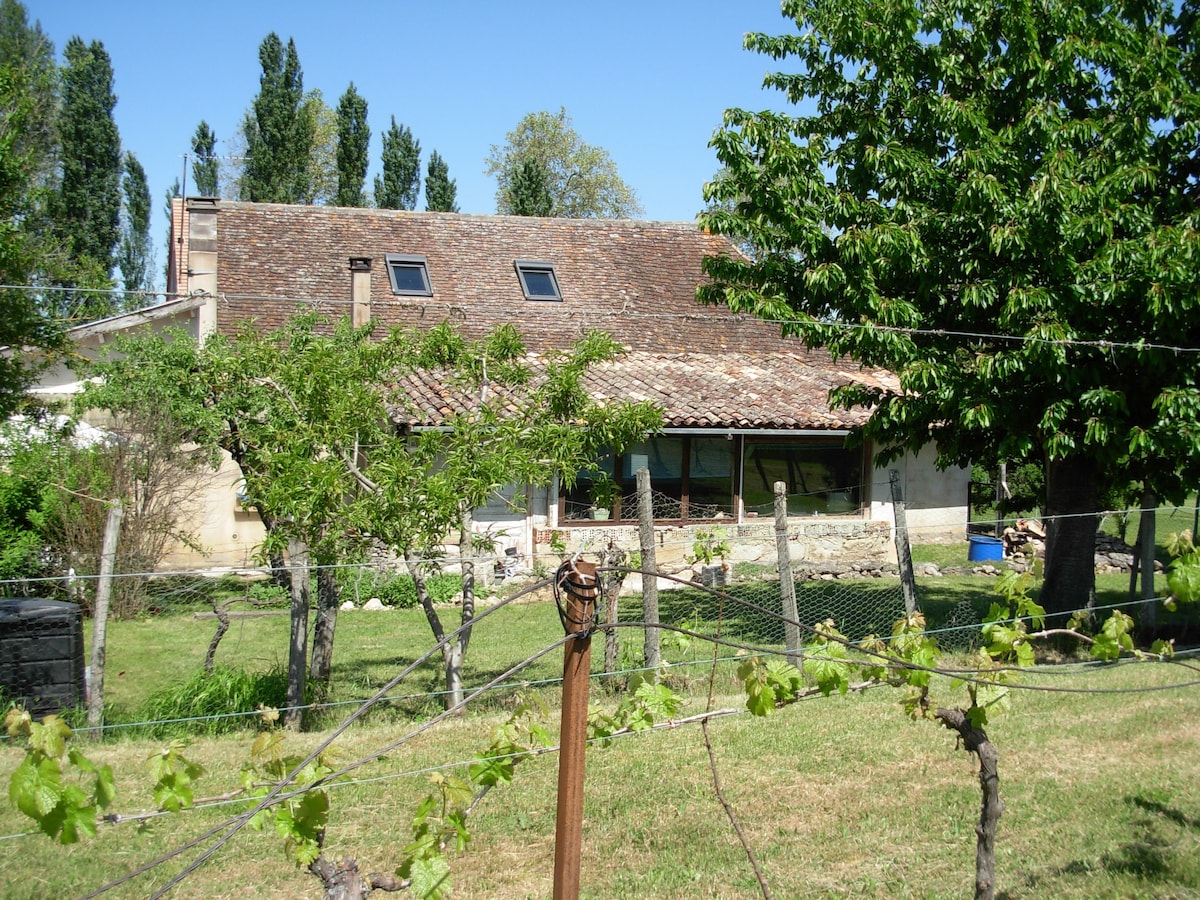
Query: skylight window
[409,275]
[538,280]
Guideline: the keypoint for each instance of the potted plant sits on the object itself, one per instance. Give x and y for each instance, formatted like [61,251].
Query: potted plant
[604,493]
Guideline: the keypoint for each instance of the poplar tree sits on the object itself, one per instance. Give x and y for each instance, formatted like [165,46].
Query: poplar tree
[135,257]
[206,168]
[400,184]
[87,207]
[279,130]
[441,192]
[353,141]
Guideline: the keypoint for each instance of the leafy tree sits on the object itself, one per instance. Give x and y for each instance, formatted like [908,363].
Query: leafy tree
[24,323]
[441,191]
[353,140]
[26,49]
[206,168]
[322,160]
[87,207]
[135,256]
[400,183]
[529,190]
[582,178]
[998,203]
[279,131]
[305,414]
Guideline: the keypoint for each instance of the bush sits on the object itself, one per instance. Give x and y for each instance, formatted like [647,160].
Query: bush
[397,591]
[212,702]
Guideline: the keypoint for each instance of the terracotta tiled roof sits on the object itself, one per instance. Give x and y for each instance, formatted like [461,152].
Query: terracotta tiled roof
[707,367]
[776,391]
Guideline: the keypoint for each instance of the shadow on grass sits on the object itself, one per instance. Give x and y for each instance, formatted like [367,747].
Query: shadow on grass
[1158,853]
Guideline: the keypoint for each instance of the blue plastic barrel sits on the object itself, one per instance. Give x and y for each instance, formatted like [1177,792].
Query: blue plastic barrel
[981,548]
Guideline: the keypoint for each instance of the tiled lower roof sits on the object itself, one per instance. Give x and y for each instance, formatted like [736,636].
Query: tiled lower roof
[739,391]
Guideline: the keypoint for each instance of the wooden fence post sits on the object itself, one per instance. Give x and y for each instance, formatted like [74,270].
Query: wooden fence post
[108,558]
[903,549]
[652,654]
[787,581]
[576,592]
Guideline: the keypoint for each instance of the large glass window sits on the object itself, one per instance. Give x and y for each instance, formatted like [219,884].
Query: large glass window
[822,476]
[695,478]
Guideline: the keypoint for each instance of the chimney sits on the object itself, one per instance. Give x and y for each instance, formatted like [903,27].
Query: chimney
[360,290]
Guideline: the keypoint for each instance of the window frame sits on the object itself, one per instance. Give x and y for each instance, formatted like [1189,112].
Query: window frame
[524,266]
[414,261]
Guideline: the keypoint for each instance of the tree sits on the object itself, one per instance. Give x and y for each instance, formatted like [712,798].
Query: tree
[306,415]
[206,168]
[27,246]
[529,190]
[135,256]
[322,160]
[441,191]
[583,179]
[400,183]
[353,140]
[26,49]
[1006,198]
[87,207]
[279,131]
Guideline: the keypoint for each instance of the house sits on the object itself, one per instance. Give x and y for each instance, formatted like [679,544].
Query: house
[744,407]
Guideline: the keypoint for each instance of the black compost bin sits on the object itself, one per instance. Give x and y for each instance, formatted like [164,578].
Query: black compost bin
[41,654]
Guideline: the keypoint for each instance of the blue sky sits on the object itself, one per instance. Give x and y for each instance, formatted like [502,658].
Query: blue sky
[648,80]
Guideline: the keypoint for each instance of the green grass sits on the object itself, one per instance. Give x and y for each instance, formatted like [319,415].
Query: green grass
[839,797]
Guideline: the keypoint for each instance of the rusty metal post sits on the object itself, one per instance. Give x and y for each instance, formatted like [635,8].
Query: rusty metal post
[577,586]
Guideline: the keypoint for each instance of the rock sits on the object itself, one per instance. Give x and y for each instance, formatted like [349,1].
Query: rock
[374,603]
[349,604]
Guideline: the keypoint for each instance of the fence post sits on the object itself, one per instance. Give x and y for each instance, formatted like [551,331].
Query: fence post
[652,654]
[903,549]
[108,558]
[787,581]
[577,605]
[298,644]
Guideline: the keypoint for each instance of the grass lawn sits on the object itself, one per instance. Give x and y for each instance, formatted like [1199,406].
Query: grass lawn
[839,796]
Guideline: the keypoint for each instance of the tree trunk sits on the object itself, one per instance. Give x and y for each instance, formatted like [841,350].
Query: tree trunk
[297,651]
[466,553]
[1071,523]
[975,740]
[451,652]
[328,598]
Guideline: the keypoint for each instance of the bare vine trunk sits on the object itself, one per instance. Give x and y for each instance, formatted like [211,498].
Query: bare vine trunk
[975,740]
[328,598]
[343,881]
[222,614]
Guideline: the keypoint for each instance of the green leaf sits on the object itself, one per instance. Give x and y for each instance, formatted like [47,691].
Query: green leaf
[430,877]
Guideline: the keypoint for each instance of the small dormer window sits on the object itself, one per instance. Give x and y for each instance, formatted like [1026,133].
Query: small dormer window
[538,280]
[409,275]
